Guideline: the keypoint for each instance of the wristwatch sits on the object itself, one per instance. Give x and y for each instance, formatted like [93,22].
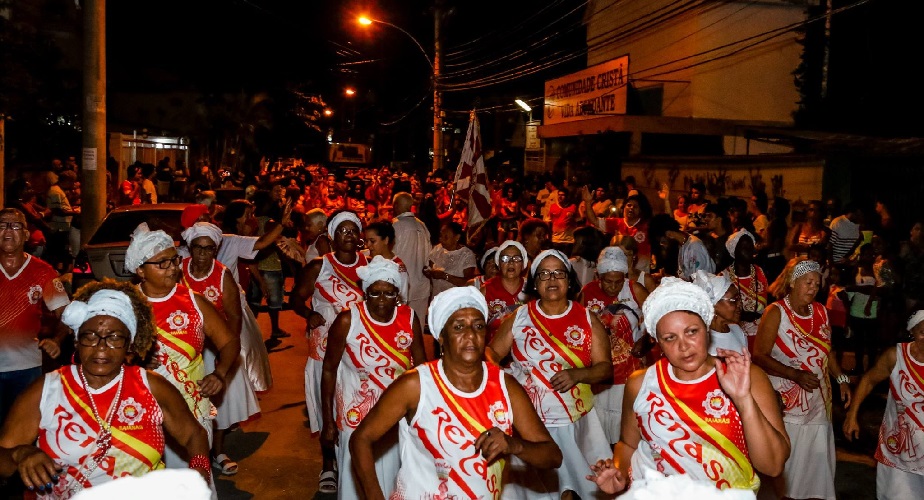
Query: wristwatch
[843,379]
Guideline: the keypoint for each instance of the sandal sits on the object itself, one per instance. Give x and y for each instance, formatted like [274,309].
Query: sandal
[227,466]
[328,482]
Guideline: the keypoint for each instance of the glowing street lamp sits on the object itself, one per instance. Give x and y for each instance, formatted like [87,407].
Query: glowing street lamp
[350,92]
[526,107]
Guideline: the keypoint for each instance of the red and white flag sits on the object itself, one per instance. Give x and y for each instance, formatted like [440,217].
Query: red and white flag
[471,181]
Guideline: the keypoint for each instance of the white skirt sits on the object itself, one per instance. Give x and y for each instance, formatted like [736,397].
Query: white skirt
[896,484]
[387,462]
[256,359]
[313,369]
[608,404]
[582,444]
[238,402]
[809,472]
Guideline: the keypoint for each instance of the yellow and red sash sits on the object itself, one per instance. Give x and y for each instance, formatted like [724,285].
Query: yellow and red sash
[397,351]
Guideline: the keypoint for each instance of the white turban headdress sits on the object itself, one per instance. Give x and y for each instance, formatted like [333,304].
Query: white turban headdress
[341,218]
[735,237]
[102,303]
[447,302]
[207,229]
[145,244]
[491,252]
[915,318]
[381,269]
[714,286]
[804,267]
[675,294]
[612,259]
[546,253]
[511,243]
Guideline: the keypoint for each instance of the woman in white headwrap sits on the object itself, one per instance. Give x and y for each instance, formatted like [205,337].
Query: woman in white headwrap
[724,330]
[60,436]
[559,349]
[184,320]
[750,280]
[617,301]
[202,273]
[793,346]
[487,267]
[505,292]
[369,345]
[900,471]
[691,413]
[456,415]
[332,284]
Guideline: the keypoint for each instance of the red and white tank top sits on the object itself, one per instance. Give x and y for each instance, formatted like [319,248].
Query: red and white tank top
[335,289]
[501,303]
[211,286]
[438,456]
[901,436]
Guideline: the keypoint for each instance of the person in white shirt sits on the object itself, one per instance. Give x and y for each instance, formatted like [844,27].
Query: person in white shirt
[412,245]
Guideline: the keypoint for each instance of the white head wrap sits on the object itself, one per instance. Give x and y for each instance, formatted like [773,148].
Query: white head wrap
[732,243]
[103,303]
[714,286]
[511,243]
[675,294]
[546,253]
[491,252]
[341,218]
[612,259]
[447,302]
[804,267]
[381,269]
[207,229]
[145,244]
[915,318]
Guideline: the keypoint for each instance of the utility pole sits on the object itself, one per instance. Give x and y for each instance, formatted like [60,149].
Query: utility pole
[437,107]
[93,185]
[2,159]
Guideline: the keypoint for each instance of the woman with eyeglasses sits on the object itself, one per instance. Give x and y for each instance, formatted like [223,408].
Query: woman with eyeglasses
[617,302]
[724,332]
[505,292]
[202,273]
[332,284]
[104,417]
[369,345]
[459,418]
[559,349]
[184,321]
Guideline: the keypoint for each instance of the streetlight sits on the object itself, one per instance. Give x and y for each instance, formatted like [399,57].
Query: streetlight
[435,66]
[526,107]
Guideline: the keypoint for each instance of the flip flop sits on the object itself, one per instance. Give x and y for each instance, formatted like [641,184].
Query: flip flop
[227,466]
[328,482]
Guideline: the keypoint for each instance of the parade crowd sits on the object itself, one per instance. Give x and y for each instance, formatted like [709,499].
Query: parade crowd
[577,340]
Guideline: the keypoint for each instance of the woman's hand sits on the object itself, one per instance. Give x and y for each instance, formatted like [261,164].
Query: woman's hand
[564,380]
[806,380]
[846,393]
[734,372]
[211,385]
[315,319]
[37,470]
[607,476]
[494,442]
[851,427]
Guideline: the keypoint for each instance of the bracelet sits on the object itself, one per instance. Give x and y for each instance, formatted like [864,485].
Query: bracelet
[202,462]
[843,379]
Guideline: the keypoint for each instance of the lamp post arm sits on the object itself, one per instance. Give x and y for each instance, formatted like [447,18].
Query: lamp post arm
[402,30]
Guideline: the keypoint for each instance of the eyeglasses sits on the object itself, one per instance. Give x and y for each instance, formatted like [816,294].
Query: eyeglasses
[92,340]
[166,263]
[374,294]
[546,275]
[15,226]
[346,231]
[730,300]
[511,258]
[203,248]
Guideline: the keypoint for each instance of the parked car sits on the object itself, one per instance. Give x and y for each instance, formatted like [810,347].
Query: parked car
[106,249]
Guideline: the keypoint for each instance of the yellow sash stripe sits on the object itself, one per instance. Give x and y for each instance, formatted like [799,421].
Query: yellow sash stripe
[80,402]
[382,343]
[177,344]
[560,347]
[150,454]
[448,397]
[343,275]
[808,335]
[729,448]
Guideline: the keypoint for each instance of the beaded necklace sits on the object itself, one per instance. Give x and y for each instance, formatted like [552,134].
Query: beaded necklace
[104,440]
[793,316]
